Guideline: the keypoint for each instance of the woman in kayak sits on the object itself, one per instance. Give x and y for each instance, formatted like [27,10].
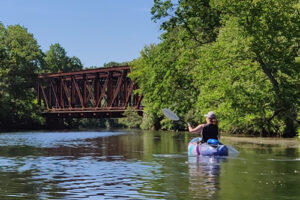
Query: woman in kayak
[209,130]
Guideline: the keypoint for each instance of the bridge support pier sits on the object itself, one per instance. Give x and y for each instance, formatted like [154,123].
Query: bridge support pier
[53,123]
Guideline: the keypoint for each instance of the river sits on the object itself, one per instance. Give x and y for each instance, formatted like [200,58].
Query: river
[143,165]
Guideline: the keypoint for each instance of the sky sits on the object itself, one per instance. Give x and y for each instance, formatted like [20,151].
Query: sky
[95,31]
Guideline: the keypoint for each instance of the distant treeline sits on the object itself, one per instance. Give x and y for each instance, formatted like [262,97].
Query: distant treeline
[237,58]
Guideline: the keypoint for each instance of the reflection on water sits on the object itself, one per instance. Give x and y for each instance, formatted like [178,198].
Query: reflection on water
[53,139]
[204,176]
[139,165]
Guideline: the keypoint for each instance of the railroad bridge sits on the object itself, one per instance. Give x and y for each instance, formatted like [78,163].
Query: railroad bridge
[91,93]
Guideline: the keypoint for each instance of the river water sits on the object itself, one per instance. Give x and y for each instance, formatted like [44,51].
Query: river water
[143,165]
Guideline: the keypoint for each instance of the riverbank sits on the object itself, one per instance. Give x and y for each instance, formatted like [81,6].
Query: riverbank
[285,142]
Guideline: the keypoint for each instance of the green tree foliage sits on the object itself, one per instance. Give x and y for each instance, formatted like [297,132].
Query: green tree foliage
[131,118]
[20,58]
[272,29]
[114,64]
[238,58]
[233,85]
[163,75]
[56,60]
[197,17]
[109,64]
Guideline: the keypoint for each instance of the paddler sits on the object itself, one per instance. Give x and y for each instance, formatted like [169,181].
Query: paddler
[209,130]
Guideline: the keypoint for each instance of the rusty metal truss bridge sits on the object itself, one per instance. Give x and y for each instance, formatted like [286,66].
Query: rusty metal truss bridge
[97,93]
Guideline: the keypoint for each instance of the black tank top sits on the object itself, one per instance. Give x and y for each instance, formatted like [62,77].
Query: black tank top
[210,131]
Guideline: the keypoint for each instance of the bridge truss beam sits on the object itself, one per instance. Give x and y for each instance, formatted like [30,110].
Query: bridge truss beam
[97,93]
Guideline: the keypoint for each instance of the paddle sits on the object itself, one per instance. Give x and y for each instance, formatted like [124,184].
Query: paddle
[171,115]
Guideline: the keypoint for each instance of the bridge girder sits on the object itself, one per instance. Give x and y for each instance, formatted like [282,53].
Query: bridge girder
[97,93]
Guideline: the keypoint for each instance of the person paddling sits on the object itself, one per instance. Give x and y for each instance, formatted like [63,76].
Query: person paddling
[209,130]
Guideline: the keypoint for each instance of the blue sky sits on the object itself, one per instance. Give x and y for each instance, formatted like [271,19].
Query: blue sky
[96,31]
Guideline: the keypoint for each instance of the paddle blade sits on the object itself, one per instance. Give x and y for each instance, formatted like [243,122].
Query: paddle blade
[232,151]
[170,114]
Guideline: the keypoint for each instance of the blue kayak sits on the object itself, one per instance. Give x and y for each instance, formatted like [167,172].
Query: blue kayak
[196,148]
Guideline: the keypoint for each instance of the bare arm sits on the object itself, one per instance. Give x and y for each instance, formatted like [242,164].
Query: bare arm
[197,129]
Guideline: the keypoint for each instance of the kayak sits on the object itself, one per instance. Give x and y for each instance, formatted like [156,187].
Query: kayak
[195,148]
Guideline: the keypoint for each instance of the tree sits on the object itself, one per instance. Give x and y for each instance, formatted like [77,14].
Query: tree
[131,118]
[198,17]
[114,64]
[241,58]
[19,65]
[56,60]
[162,73]
[233,85]
[272,28]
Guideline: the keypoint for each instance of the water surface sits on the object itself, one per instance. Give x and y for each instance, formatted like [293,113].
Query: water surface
[142,165]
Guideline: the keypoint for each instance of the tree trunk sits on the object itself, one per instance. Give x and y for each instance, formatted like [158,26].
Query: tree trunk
[290,129]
